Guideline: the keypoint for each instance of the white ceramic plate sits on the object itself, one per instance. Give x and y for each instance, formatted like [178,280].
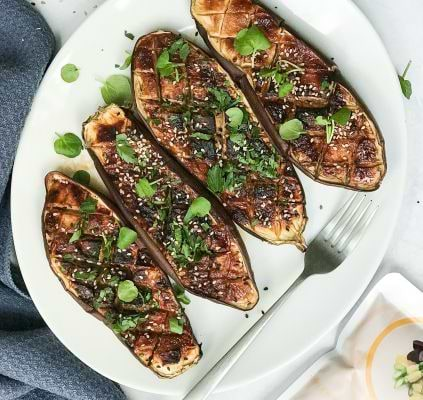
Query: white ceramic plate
[339,30]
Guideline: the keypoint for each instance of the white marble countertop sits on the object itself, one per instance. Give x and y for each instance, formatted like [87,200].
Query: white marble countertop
[400,24]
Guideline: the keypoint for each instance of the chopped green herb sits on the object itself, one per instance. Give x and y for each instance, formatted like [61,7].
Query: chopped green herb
[202,136]
[235,116]
[176,325]
[222,100]
[85,275]
[68,257]
[128,322]
[406,86]
[200,207]
[125,150]
[180,46]
[127,291]
[291,130]
[129,35]
[68,145]
[341,117]
[82,177]
[237,138]
[285,89]
[76,235]
[250,40]
[167,68]
[88,206]
[180,294]
[126,237]
[126,63]
[116,89]
[215,181]
[325,85]
[105,294]
[144,188]
[107,247]
[281,78]
[69,73]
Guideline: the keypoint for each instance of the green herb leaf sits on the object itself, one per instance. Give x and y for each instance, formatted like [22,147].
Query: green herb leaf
[201,135]
[128,322]
[129,35]
[215,181]
[144,188]
[321,121]
[291,129]
[222,99]
[126,237]
[180,46]
[125,150]
[167,68]
[406,86]
[342,116]
[85,275]
[117,90]
[82,177]
[127,291]
[325,85]
[180,294]
[88,206]
[127,62]
[235,116]
[176,325]
[285,89]
[107,247]
[76,235]
[250,40]
[200,207]
[69,73]
[68,145]
[237,138]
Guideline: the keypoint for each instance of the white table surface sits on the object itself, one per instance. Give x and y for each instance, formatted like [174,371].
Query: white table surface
[400,24]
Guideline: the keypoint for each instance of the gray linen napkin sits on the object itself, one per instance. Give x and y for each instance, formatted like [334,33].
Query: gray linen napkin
[33,363]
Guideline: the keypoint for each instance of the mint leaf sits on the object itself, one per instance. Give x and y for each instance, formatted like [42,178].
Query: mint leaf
[76,235]
[176,325]
[116,89]
[215,181]
[291,129]
[250,40]
[406,86]
[127,291]
[125,150]
[88,206]
[200,207]
[342,116]
[68,145]
[180,294]
[126,237]
[202,136]
[144,188]
[82,177]
[235,116]
[69,73]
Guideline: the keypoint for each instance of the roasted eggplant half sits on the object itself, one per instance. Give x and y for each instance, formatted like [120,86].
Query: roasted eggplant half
[196,112]
[186,230]
[114,278]
[286,79]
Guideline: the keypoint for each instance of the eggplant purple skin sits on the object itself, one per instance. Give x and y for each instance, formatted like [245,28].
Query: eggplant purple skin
[188,179]
[241,79]
[139,243]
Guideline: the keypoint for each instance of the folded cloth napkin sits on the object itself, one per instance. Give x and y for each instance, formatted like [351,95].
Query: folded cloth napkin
[33,363]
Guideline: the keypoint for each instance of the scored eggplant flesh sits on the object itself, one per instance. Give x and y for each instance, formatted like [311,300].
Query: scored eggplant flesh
[186,112]
[205,255]
[355,157]
[92,267]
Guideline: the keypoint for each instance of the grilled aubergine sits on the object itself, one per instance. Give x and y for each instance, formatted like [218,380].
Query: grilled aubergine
[121,286]
[195,243]
[196,112]
[284,79]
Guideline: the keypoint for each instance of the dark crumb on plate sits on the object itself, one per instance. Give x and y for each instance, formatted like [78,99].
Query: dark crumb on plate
[196,34]
[418,201]
[265,288]
[117,65]
[33,4]
[246,315]
[321,207]
[262,312]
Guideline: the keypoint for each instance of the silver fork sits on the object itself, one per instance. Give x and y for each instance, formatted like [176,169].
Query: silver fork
[325,253]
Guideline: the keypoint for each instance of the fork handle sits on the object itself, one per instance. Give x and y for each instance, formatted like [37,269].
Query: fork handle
[207,384]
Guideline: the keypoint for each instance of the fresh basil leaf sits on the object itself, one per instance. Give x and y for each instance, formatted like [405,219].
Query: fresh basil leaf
[69,73]
[342,116]
[291,129]
[215,181]
[116,89]
[180,294]
[200,207]
[129,35]
[235,116]
[250,40]
[285,89]
[76,235]
[126,237]
[144,188]
[201,135]
[88,206]
[406,86]
[176,325]
[68,145]
[125,150]
[127,291]
[82,177]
